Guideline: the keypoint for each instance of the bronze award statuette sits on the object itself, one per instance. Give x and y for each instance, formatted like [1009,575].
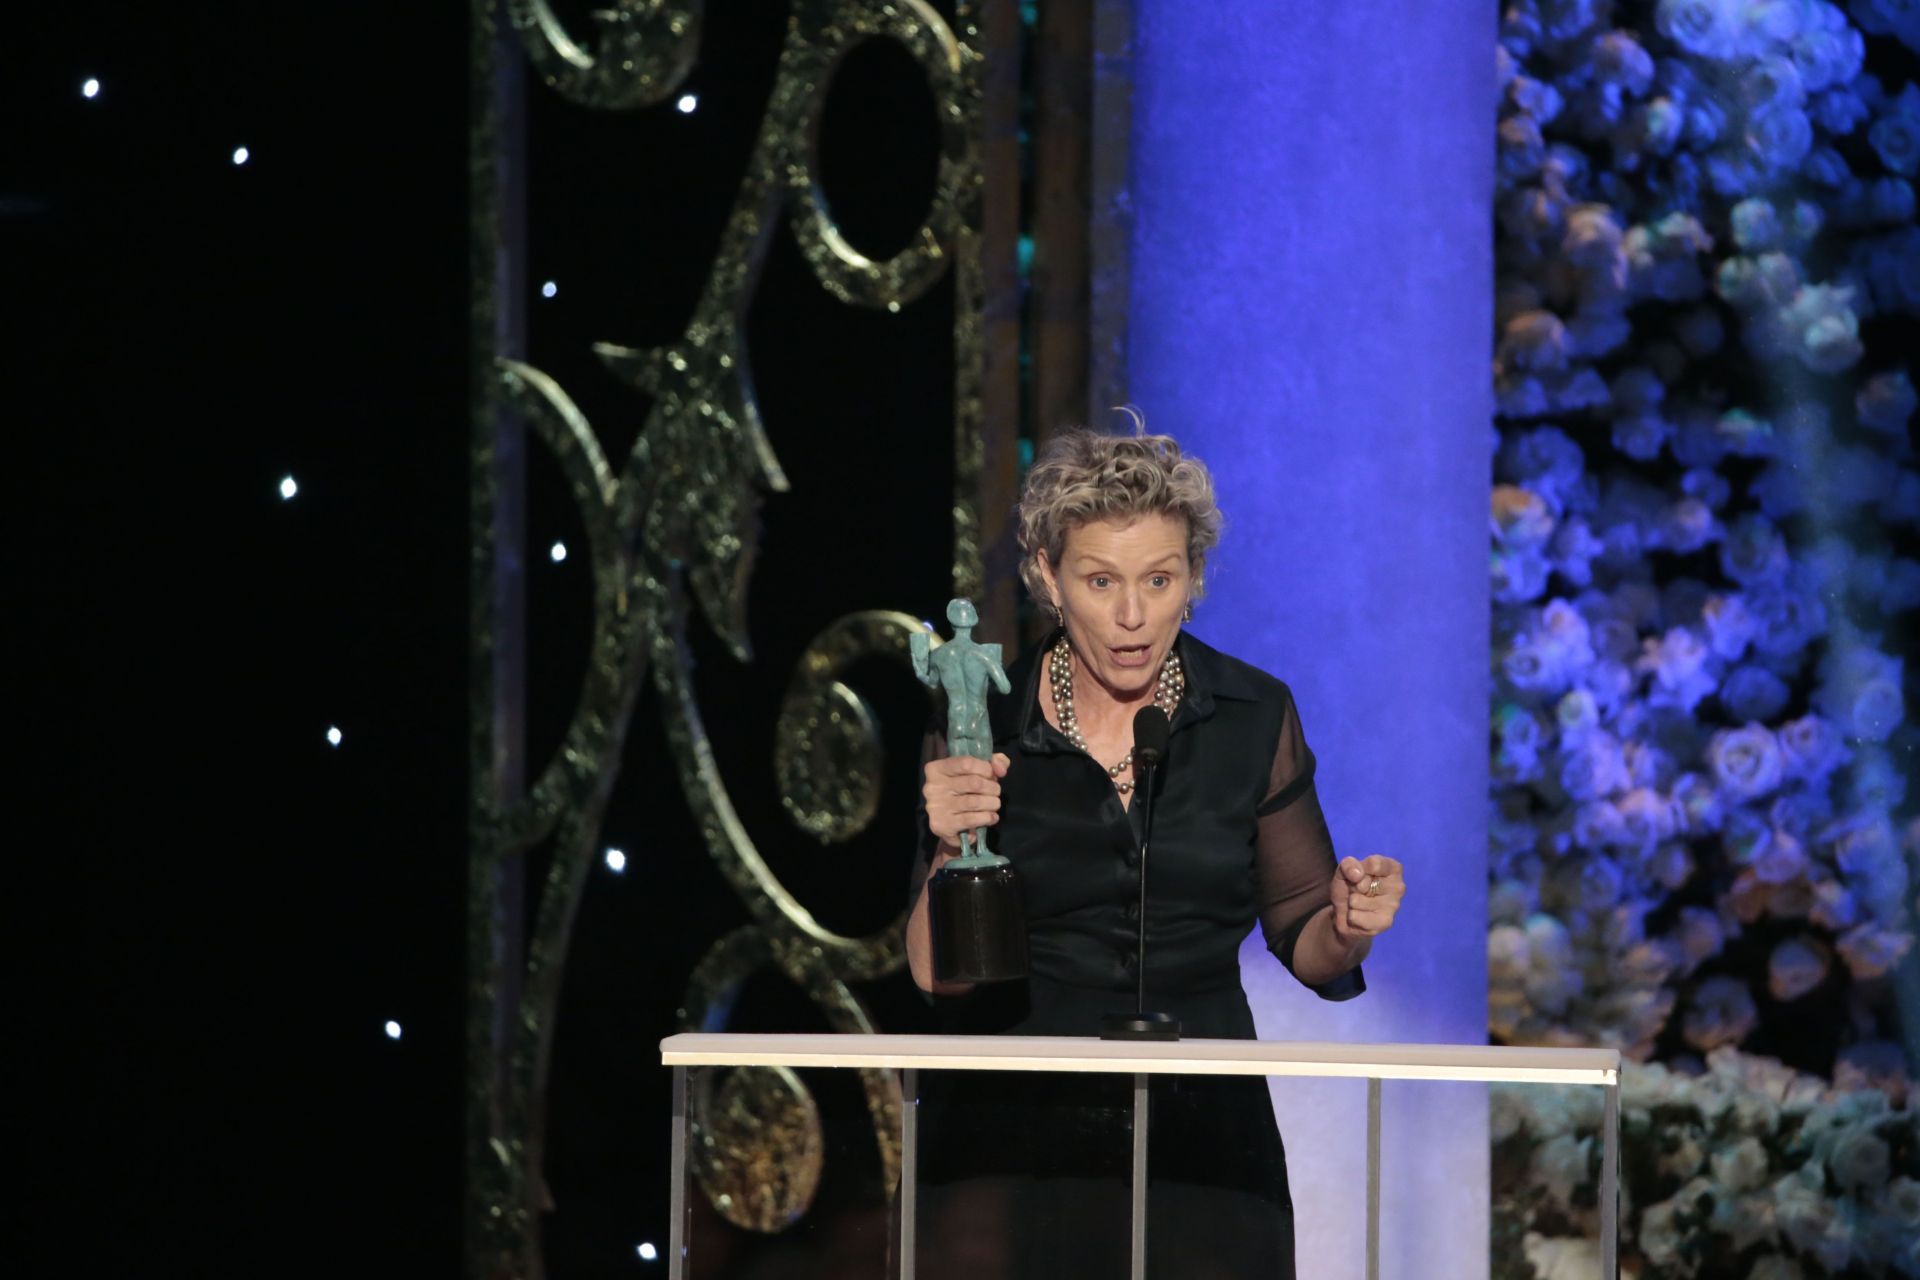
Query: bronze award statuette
[973,904]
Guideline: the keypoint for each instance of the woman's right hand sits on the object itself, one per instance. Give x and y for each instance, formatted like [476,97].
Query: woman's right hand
[962,794]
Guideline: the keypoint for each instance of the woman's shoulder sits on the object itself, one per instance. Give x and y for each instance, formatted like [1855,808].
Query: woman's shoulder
[1225,676]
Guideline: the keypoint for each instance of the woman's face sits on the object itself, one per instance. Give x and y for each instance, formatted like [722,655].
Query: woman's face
[1121,588]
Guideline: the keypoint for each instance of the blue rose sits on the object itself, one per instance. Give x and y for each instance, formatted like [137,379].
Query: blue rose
[1756,225]
[1519,574]
[1689,526]
[1564,20]
[1822,329]
[1897,18]
[1886,402]
[1753,693]
[1812,747]
[1544,459]
[1749,284]
[1533,665]
[1699,443]
[1772,81]
[1732,174]
[1640,435]
[1825,167]
[1779,136]
[1708,486]
[1700,807]
[1826,53]
[1519,28]
[1786,620]
[1536,98]
[1800,812]
[1654,127]
[1594,768]
[1706,122]
[1744,434]
[1859,691]
[1573,549]
[1620,59]
[1890,200]
[1753,551]
[1874,783]
[1838,111]
[1895,136]
[1708,28]
[1521,148]
[1746,762]
[1533,340]
[1780,489]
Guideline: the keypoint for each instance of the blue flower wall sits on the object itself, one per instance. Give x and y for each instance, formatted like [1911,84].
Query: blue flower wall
[1704,529]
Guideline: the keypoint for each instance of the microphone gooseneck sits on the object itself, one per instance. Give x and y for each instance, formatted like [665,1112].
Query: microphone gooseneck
[1150,731]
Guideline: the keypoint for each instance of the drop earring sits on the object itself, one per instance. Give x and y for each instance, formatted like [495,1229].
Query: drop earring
[1059,618]
[1186,614]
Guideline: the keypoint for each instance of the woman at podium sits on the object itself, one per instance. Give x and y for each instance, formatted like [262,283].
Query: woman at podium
[1025,1174]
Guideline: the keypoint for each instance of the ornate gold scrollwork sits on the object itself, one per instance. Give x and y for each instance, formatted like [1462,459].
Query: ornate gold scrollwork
[643,50]
[677,516]
[827,755]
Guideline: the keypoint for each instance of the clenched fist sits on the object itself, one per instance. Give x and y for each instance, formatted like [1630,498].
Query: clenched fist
[1366,896]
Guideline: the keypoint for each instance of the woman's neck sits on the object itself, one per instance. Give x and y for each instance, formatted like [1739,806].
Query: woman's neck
[1099,708]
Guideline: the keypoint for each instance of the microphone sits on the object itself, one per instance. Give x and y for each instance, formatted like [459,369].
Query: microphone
[1150,730]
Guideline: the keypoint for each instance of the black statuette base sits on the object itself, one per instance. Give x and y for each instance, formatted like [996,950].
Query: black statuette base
[1139,1026]
[979,926]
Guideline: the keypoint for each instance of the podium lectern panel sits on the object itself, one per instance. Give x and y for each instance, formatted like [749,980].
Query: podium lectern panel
[1048,1157]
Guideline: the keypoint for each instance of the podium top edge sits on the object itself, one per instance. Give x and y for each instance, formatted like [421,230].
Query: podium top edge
[1487,1063]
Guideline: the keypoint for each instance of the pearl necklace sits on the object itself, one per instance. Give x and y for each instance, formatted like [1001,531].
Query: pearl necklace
[1173,683]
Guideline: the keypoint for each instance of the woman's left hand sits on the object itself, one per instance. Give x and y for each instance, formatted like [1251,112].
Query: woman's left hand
[1366,894]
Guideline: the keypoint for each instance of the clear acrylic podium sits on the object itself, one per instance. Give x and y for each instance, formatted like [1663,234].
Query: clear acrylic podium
[1140,1060]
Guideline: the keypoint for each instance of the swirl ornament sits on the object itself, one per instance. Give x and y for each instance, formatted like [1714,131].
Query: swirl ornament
[826,753]
[671,534]
[758,1149]
[643,51]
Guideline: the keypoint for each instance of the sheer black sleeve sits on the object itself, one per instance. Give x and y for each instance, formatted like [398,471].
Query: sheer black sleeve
[932,747]
[1293,857]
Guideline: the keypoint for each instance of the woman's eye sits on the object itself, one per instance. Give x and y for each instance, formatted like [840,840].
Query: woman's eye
[1102,582]
[1160,580]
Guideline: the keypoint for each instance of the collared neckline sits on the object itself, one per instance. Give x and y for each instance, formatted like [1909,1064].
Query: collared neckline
[1210,674]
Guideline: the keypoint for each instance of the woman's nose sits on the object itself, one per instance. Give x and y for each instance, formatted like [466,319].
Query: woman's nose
[1131,612]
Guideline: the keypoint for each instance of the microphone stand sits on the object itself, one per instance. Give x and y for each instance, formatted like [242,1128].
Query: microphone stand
[1140,1024]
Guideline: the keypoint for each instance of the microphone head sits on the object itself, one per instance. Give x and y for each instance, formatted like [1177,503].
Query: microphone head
[1150,730]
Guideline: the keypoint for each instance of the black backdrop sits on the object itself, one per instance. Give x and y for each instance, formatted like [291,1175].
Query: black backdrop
[212,912]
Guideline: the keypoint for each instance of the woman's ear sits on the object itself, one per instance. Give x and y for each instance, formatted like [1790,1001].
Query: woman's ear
[1046,575]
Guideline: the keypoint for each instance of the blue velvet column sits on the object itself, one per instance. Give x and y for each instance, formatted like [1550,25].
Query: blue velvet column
[1310,312]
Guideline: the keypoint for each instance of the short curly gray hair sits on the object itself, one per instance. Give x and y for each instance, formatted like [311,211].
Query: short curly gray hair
[1083,475]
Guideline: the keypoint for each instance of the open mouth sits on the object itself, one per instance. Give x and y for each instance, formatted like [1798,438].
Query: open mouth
[1130,655]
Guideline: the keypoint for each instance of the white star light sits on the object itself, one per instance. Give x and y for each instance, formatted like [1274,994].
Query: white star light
[288,487]
[549,289]
[558,552]
[647,1252]
[393,1029]
[91,89]
[686,104]
[333,735]
[616,860]
[240,155]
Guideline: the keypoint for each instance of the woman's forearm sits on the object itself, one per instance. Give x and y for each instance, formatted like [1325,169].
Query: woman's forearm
[1319,956]
[920,937]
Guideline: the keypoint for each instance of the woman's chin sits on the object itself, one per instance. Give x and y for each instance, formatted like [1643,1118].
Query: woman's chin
[1127,674]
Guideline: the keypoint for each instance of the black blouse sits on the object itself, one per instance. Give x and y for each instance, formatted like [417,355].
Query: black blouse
[1238,836]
